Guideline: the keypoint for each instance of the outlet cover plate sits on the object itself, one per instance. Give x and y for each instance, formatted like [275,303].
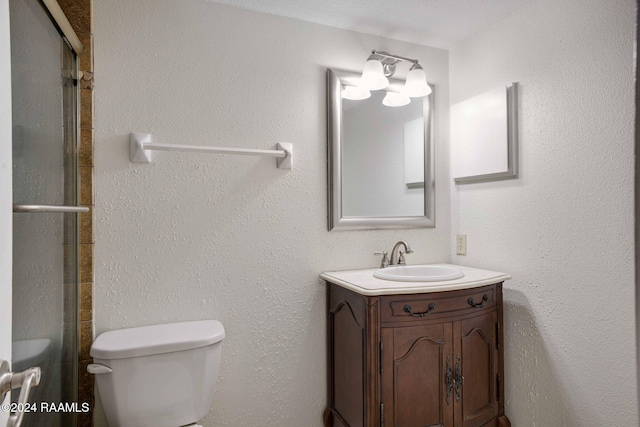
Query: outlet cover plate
[461,244]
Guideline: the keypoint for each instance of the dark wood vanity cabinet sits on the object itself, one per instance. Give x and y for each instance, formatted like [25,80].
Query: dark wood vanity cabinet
[430,359]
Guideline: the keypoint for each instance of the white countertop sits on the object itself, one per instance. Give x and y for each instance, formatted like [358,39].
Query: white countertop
[363,282]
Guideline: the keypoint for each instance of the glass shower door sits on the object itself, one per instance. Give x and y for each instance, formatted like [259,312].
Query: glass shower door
[45,271]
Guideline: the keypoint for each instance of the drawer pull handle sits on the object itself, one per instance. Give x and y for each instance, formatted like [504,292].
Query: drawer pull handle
[407,309]
[485,298]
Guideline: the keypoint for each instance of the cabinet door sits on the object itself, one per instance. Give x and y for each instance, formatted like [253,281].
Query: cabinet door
[476,360]
[413,376]
[346,362]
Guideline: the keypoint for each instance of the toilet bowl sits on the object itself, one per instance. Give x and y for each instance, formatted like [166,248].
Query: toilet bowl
[159,375]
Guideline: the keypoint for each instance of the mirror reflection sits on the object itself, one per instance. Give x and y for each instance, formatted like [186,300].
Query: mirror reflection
[382,158]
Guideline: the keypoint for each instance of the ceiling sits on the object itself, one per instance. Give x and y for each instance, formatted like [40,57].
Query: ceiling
[437,23]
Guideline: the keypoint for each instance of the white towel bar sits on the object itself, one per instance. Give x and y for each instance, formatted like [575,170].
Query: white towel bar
[140,145]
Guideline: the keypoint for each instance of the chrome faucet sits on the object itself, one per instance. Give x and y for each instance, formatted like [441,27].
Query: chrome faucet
[399,260]
[395,259]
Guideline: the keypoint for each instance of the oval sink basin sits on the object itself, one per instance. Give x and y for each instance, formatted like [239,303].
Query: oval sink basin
[419,273]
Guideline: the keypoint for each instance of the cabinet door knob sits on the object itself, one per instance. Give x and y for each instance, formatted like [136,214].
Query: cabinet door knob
[407,309]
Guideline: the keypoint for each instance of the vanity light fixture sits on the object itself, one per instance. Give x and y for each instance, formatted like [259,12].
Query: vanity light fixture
[375,76]
[416,85]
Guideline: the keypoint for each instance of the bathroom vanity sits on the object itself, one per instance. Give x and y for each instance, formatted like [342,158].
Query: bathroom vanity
[415,353]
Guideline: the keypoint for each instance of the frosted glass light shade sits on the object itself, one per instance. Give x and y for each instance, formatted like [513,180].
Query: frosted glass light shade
[395,99]
[416,85]
[355,93]
[373,76]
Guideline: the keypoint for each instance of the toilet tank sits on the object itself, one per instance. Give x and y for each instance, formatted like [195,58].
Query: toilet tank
[159,375]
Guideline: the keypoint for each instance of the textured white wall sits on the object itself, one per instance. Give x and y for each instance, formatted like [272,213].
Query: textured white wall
[195,236]
[564,229]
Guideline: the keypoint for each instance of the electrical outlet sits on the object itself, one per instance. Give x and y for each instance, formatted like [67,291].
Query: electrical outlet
[461,244]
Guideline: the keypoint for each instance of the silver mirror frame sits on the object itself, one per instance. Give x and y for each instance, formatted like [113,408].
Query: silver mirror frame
[336,221]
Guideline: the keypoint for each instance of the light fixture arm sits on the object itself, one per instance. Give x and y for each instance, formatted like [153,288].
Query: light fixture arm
[390,60]
[397,58]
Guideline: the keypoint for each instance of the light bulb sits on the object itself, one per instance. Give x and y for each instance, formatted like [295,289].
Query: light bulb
[373,75]
[355,93]
[416,85]
[395,99]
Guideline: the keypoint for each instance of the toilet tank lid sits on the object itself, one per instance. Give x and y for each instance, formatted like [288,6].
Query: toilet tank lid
[156,339]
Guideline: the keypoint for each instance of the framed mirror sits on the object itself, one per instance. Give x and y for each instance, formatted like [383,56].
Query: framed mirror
[380,159]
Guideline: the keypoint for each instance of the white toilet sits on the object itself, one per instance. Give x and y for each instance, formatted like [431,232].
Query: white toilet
[159,375]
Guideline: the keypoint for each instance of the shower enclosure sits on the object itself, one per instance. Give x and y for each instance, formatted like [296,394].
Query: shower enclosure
[45,237]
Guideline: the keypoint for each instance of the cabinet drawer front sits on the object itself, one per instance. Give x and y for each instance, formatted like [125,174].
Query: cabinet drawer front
[417,307]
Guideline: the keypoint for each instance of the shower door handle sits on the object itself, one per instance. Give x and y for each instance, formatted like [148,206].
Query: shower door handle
[49,208]
[24,380]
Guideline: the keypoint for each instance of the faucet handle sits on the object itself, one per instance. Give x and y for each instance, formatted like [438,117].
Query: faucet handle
[385,260]
[401,259]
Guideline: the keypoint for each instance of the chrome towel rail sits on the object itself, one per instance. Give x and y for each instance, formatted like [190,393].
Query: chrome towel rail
[49,208]
[140,145]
